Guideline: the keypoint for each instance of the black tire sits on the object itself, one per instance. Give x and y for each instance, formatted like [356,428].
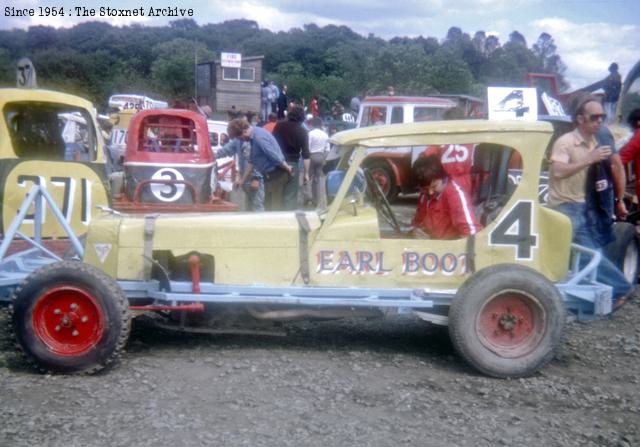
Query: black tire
[624,250]
[70,317]
[507,320]
[384,176]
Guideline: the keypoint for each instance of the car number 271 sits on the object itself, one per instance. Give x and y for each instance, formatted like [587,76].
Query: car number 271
[68,186]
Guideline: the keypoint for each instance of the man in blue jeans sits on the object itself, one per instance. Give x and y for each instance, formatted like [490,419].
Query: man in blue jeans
[266,158]
[571,157]
[254,185]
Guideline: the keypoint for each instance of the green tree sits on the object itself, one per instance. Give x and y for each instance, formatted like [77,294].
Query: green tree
[450,74]
[545,49]
[96,59]
[173,70]
[7,68]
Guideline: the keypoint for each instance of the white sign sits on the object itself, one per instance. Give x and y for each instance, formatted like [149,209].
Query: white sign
[231,60]
[135,102]
[554,107]
[509,103]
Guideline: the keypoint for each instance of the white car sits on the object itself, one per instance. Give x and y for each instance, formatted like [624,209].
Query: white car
[225,165]
[379,110]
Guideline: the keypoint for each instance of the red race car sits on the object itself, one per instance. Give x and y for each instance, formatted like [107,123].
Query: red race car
[168,165]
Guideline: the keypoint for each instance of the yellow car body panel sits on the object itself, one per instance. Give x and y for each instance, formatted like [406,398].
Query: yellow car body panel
[76,186]
[345,246]
[14,95]
[101,247]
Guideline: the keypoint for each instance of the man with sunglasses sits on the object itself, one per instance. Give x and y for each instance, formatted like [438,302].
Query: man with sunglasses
[580,173]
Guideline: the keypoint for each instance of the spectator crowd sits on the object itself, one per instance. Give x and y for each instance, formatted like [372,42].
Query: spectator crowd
[279,162]
[281,156]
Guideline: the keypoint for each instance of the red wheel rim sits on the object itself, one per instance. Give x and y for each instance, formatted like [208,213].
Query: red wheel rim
[511,324]
[68,320]
[382,179]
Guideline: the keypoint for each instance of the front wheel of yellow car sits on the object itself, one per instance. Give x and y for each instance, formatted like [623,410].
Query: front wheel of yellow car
[70,317]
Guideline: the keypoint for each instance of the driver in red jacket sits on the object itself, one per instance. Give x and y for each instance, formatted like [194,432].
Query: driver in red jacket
[444,209]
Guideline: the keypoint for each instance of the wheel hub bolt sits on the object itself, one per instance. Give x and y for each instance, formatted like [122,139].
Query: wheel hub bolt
[75,333]
[74,306]
[65,321]
[84,319]
[57,328]
[507,322]
[57,312]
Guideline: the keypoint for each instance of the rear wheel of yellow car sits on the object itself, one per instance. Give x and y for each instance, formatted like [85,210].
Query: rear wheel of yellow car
[507,321]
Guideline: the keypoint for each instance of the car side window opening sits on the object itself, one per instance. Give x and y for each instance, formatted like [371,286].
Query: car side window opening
[374,116]
[426,114]
[487,173]
[218,139]
[51,132]
[397,115]
[492,179]
[167,134]
[213,137]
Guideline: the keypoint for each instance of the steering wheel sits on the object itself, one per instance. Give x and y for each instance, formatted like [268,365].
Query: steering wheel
[381,202]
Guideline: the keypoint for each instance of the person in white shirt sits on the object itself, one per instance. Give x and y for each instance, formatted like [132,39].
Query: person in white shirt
[318,148]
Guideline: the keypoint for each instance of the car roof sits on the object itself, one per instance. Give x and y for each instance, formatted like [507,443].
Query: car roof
[8,95]
[418,100]
[219,126]
[454,96]
[412,134]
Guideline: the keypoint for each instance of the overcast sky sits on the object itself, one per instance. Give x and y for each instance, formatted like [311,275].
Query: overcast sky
[590,34]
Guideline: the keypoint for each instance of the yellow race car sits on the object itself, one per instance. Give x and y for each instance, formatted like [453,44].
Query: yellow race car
[53,140]
[502,292]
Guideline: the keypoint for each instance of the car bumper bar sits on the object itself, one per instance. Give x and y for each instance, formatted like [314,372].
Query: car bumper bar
[582,293]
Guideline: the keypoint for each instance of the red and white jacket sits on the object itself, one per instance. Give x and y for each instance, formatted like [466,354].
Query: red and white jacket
[457,160]
[449,215]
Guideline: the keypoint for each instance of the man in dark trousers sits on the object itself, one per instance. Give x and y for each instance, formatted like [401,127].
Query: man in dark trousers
[575,181]
[266,157]
[612,87]
[283,102]
[294,142]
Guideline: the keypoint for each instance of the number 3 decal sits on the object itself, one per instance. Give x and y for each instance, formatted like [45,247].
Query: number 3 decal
[515,229]
[167,192]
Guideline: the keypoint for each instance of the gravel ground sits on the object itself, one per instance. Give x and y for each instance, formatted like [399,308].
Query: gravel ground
[350,382]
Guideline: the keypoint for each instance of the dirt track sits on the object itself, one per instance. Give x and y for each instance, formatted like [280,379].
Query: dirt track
[330,384]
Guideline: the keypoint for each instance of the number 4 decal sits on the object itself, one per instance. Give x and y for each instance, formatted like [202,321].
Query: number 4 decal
[516,229]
